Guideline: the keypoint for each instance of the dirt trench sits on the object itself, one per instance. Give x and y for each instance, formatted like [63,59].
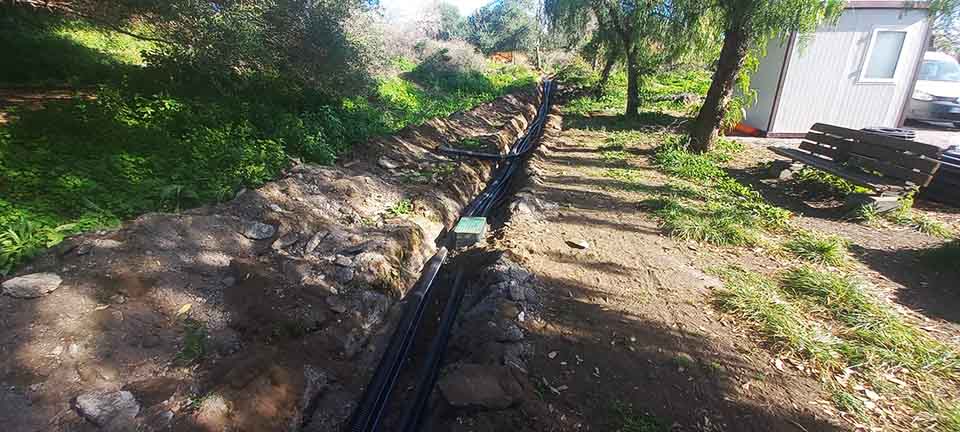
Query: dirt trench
[617,330]
[262,313]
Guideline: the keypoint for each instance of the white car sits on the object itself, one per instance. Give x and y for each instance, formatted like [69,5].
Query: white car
[936,97]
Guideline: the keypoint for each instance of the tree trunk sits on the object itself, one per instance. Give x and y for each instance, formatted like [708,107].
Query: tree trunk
[608,64]
[705,129]
[633,83]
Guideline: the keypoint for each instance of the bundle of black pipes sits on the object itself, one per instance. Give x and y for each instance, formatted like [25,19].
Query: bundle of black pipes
[369,414]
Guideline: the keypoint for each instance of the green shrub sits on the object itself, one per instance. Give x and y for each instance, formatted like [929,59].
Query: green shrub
[577,73]
[23,239]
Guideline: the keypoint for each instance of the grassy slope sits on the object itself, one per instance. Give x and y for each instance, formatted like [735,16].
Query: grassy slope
[143,145]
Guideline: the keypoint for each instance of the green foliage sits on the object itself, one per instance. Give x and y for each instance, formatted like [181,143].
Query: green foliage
[628,420]
[884,338]
[578,74]
[194,344]
[718,188]
[400,208]
[823,183]
[40,50]
[503,25]
[905,215]
[656,96]
[820,249]
[22,239]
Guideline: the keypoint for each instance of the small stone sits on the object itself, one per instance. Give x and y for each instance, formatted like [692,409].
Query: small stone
[118,299]
[229,281]
[518,293]
[276,208]
[343,261]
[108,409]
[314,242]
[387,163]
[259,231]
[343,274]
[32,285]
[151,341]
[336,305]
[482,386]
[552,355]
[286,241]
[578,244]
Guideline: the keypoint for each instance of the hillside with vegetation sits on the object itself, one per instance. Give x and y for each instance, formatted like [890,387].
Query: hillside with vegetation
[154,125]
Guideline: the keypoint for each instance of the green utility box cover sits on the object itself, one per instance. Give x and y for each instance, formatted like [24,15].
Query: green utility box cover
[470,230]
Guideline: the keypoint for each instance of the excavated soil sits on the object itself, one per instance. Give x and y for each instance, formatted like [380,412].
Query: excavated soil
[248,315]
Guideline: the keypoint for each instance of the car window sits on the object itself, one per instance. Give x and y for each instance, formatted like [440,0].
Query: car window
[936,70]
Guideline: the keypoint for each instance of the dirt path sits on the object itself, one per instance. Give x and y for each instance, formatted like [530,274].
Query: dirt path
[628,339]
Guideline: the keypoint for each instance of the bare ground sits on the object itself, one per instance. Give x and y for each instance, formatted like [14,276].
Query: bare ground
[629,338]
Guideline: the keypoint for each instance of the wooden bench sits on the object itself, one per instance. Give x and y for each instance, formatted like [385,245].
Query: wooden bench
[889,166]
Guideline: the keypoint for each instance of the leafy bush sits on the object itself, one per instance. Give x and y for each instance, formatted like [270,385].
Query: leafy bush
[577,73]
[23,239]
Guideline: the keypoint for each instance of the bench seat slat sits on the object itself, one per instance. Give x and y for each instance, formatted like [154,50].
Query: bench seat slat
[908,161]
[917,178]
[881,140]
[830,152]
[875,182]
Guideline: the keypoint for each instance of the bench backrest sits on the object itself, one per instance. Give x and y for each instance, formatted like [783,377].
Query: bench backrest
[907,161]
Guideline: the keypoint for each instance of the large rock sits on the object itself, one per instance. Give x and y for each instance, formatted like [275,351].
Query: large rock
[259,231]
[32,285]
[481,386]
[111,410]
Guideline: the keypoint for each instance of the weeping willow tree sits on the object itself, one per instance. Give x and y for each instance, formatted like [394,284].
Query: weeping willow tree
[746,25]
[646,34]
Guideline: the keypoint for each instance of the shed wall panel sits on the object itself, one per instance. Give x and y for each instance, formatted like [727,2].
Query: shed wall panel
[765,82]
[823,82]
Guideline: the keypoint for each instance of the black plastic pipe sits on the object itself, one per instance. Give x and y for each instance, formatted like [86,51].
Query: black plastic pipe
[369,412]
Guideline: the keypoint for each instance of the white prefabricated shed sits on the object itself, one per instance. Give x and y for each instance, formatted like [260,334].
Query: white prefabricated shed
[856,73]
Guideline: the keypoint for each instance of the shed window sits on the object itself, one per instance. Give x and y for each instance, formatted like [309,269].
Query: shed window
[883,55]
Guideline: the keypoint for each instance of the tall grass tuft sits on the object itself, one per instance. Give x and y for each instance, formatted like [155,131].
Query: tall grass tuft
[758,300]
[819,249]
[882,333]
[714,223]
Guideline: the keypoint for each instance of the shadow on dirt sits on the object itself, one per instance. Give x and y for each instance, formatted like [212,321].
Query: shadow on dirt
[664,376]
[926,291]
[645,121]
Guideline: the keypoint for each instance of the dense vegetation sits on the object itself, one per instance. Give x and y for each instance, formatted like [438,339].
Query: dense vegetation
[148,132]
